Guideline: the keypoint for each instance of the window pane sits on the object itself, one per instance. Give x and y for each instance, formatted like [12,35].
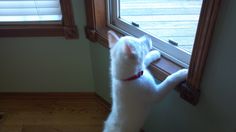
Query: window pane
[173,21]
[30,10]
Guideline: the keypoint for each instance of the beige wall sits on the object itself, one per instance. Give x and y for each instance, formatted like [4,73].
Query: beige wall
[47,64]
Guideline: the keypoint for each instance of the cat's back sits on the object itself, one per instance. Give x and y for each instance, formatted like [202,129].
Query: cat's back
[133,92]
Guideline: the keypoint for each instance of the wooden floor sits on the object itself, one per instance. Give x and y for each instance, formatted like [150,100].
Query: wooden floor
[45,114]
[174,20]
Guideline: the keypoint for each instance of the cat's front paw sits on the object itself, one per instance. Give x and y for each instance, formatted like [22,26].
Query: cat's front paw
[155,54]
[151,57]
[182,74]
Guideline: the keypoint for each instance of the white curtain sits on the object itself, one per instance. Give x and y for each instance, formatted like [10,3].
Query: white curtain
[30,10]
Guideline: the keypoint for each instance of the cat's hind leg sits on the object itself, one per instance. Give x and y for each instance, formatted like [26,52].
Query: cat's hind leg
[151,56]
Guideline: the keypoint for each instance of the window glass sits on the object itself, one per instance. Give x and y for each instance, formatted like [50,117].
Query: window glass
[172,21]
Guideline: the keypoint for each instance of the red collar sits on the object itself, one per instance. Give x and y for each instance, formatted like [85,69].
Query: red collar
[134,77]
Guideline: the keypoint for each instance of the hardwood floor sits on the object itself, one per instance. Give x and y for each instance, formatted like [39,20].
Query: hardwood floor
[52,114]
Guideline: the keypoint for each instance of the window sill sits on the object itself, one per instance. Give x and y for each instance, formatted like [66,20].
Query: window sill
[69,32]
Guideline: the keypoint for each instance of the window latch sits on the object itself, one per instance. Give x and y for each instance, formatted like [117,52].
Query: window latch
[135,24]
[173,42]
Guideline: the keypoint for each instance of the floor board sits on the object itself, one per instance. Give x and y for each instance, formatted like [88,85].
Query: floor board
[52,115]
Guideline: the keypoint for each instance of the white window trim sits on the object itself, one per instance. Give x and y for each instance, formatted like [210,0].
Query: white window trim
[167,50]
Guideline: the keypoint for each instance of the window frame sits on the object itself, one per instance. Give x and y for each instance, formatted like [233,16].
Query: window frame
[97,27]
[168,50]
[67,28]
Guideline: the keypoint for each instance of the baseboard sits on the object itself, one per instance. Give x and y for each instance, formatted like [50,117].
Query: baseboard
[47,95]
[103,102]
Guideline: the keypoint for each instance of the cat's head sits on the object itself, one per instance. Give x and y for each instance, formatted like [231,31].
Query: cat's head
[128,50]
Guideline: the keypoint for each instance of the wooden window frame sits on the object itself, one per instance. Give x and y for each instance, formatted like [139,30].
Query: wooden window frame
[67,28]
[96,31]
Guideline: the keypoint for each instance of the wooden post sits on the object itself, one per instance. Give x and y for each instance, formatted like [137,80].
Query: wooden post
[1,115]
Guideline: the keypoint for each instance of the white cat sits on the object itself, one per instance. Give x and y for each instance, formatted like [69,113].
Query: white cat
[133,88]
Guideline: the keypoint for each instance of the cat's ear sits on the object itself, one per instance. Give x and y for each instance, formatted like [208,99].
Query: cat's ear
[112,38]
[129,51]
[146,40]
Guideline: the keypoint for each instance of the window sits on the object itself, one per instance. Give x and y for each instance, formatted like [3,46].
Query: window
[98,25]
[171,24]
[37,18]
[30,11]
